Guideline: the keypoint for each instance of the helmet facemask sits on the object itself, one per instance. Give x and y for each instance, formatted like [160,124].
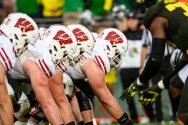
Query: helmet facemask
[79,56]
[20,43]
[59,57]
[115,61]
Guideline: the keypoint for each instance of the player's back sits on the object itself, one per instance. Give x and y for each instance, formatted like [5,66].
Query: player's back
[177,15]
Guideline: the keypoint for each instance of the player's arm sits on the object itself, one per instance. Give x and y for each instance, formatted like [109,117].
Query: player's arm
[6,108]
[96,80]
[58,93]
[154,62]
[40,86]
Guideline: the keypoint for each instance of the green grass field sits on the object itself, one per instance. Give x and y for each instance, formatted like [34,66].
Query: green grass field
[145,124]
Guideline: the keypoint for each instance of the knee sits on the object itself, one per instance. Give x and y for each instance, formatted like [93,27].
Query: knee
[183,117]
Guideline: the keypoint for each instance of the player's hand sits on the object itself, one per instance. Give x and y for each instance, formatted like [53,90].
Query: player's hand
[128,122]
[135,87]
[149,95]
[176,58]
[125,120]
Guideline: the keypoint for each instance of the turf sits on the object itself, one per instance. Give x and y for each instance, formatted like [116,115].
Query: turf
[144,124]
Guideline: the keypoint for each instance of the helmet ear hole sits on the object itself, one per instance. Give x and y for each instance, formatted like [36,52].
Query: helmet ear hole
[16,37]
[50,51]
[55,48]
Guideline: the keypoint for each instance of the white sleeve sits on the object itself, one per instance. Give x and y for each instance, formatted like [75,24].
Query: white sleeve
[7,55]
[100,57]
[43,58]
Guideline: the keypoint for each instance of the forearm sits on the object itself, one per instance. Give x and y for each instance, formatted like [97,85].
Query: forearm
[155,60]
[6,108]
[40,86]
[48,105]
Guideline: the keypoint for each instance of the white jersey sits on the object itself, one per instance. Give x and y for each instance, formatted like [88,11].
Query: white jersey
[8,58]
[100,58]
[42,58]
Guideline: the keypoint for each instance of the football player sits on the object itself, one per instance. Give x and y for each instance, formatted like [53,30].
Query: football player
[94,63]
[12,25]
[167,21]
[26,59]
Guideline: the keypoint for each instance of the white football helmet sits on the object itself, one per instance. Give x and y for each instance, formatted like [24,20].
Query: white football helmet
[21,30]
[95,35]
[85,40]
[68,84]
[118,42]
[42,31]
[62,44]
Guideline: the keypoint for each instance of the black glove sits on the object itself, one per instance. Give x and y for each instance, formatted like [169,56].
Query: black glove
[150,95]
[124,120]
[135,87]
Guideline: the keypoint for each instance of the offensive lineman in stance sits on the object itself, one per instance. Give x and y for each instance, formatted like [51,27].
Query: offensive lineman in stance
[95,63]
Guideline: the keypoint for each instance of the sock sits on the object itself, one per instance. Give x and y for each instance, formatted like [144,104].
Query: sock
[71,123]
[124,120]
[81,123]
[89,123]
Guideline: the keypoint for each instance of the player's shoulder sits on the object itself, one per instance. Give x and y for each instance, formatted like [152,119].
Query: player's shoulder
[42,57]
[4,40]
[100,56]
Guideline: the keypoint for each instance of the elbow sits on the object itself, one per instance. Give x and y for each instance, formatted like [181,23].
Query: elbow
[156,61]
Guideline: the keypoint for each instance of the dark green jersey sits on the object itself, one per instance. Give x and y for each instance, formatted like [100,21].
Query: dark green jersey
[177,15]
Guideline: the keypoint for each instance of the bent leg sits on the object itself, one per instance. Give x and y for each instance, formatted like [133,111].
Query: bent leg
[85,107]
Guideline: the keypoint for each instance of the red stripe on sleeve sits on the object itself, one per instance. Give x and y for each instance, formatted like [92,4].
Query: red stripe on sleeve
[4,61]
[42,67]
[96,58]
[103,64]
[46,67]
[7,58]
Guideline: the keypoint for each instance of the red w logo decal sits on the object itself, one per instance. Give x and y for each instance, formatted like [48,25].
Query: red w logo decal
[114,38]
[80,35]
[63,38]
[24,25]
